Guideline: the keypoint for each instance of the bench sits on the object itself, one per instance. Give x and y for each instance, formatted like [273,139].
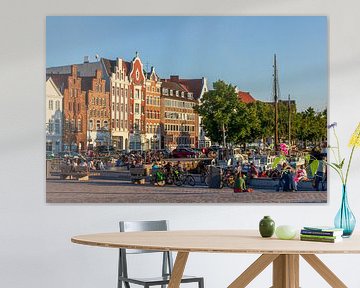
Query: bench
[138,175]
[68,172]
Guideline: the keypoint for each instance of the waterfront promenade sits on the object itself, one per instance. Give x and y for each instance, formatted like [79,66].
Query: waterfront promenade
[98,190]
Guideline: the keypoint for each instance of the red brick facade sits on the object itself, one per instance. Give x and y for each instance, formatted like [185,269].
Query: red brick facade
[75,115]
[179,120]
[152,110]
[98,108]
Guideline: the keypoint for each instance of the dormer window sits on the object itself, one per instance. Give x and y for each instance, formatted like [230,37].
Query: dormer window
[182,94]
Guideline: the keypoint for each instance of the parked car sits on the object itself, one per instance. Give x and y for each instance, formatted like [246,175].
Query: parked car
[183,153]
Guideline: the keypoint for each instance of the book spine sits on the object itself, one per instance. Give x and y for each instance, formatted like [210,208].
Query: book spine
[318,236]
[318,239]
[320,233]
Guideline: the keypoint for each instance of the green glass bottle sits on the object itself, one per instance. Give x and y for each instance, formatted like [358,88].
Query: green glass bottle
[267,227]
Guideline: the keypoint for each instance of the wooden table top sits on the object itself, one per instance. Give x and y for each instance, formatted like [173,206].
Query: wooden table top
[216,241]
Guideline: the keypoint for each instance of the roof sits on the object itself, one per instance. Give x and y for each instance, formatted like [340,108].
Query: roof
[84,69]
[60,80]
[245,97]
[109,65]
[173,86]
[193,85]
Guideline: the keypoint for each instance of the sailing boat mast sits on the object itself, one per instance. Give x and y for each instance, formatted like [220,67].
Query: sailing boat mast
[276,94]
[289,119]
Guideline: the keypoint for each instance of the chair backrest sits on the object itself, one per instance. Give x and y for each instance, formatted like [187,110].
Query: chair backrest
[134,226]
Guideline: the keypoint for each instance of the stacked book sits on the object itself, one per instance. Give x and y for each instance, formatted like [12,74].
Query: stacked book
[321,234]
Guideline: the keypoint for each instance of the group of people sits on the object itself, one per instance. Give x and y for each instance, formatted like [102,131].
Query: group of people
[162,171]
[290,177]
[91,164]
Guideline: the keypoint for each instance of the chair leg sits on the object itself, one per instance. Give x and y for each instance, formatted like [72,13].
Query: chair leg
[201,283]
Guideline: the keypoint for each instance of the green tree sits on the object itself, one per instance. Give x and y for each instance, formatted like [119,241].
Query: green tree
[218,108]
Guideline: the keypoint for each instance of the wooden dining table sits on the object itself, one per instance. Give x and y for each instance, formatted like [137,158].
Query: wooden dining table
[283,254]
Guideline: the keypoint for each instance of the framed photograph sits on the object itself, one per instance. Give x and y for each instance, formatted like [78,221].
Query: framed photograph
[185,109]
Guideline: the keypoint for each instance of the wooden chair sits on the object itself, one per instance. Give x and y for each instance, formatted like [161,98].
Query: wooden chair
[163,280]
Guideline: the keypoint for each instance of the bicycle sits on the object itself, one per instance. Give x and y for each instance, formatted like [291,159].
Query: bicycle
[181,178]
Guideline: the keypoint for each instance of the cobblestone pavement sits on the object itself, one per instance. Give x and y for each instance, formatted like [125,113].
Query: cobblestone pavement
[121,191]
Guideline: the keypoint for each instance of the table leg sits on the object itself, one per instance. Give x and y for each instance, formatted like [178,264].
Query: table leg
[286,271]
[253,270]
[178,269]
[324,271]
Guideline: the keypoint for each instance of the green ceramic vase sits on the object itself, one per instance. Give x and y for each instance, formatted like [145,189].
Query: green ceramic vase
[267,227]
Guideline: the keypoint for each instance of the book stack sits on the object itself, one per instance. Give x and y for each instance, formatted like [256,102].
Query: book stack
[321,234]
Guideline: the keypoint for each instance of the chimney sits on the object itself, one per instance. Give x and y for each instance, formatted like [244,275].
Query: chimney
[174,78]
[86,59]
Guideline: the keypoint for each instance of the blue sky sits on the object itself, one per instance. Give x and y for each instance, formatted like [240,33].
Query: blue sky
[238,50]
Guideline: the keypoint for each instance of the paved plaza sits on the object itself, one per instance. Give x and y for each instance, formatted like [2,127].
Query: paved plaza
[123,191]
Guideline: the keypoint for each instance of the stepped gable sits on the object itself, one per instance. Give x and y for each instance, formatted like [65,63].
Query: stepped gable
[86,83]
[245,97]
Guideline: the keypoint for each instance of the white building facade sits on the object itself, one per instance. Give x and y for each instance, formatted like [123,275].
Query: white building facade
[54,118]
[119,95]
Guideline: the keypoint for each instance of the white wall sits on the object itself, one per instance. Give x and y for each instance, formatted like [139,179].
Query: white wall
[35,248]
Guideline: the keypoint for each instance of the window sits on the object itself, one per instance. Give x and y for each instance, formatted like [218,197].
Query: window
[49,146]
[171,92]
[79,125]
[91,124]
[51,103]
[122,124]
[51,127]
[137,74]
[137,108]
[98,125]
[122,107]
[106,124]
[113,106]
[57,105]
[57,126]
[137,94]
[117,123]
[137,125]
